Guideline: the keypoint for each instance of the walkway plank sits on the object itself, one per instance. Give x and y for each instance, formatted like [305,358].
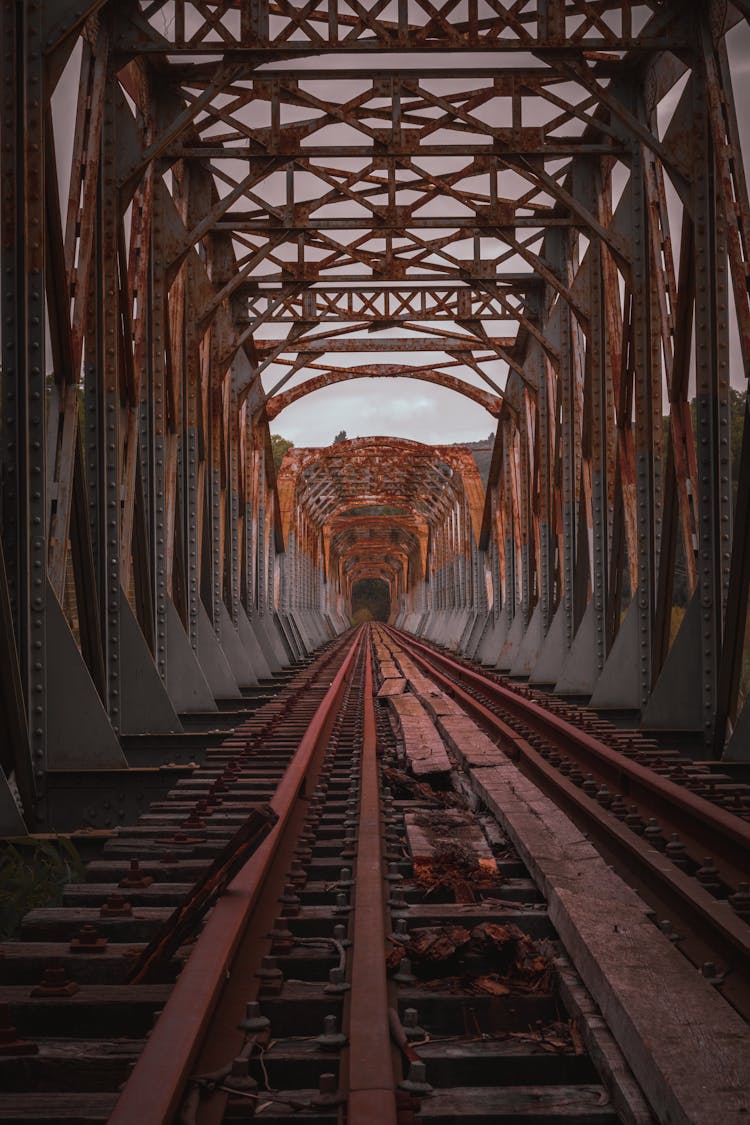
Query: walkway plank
[423,745]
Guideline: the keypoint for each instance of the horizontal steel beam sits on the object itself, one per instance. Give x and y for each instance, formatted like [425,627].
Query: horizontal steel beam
[550,148]
[468,275]
[392,344]
[333,316]
[530,78]
[345,285]
[378,223]
[259,55]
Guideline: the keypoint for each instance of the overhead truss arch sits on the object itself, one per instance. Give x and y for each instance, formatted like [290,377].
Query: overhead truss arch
[278,403]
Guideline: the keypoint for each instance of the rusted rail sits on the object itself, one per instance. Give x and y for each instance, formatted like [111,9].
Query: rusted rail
[371,1086]
[706,823]
[148,885]
[717,932]
[606,928]
[155,1088]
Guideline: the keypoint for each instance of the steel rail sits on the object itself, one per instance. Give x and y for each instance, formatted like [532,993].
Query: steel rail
[706,823]
[153,1092]
[371,1086]
[713,923]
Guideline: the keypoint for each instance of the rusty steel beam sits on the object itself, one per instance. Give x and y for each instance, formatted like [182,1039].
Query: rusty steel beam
[455,343]
[609,26]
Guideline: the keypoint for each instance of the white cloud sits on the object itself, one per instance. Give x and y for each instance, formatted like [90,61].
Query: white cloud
[384,407]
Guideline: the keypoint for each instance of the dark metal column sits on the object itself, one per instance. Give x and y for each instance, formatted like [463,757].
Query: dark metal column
[22,450]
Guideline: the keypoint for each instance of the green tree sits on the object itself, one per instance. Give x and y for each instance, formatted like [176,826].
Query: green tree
[340,436]
[279,445]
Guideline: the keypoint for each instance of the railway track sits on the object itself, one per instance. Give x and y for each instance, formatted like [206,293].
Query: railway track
[383,952]
[656,814]
[73,1021]
[324,1025]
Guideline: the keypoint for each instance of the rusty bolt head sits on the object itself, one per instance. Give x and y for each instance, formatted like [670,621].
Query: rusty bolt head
[55,983]
[89,940]
[135,879]
[116,907]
